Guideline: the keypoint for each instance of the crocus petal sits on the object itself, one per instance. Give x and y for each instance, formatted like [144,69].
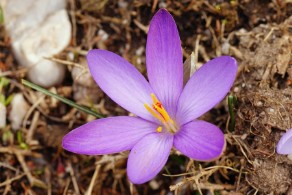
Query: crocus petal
[200,140]
[121,81]
[148,157]
[164,60]
[208,86]
[284,146]
[106,136]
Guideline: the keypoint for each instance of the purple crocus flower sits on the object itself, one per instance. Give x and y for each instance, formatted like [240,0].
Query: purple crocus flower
[284,146]
[166,112]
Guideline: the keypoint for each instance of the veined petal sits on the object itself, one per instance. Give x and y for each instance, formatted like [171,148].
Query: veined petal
[108,135]
[121,81]
[164,60]
[284,146]
[200,140]
[207,87]
[148,157]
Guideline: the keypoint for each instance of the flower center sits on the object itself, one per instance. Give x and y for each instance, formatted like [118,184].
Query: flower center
[158,111]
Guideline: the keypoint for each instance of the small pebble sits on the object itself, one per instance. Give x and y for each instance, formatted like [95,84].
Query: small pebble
[139,51]
[2,115]
[154,185]
[259,104]
[244,136]
[225,48]
[19,108]
[70,56]
[139,61]
[103,35]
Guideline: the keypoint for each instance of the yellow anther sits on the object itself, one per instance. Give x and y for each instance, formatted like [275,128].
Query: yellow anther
[158,111]
[162,112]
[154,98]
[154,113]
[159,129]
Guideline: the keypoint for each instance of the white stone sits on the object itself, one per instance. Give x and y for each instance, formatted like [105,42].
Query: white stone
[47,73]
[38,29]
[225,48]
[82,76]
[259,104]
[22,16]
[104,36]
[19,108]
[140,51]
[2,115]
[154,185]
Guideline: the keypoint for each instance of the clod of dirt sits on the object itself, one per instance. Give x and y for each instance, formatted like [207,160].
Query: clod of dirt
[270,176]
[264,97]
[267,50]
[265,109]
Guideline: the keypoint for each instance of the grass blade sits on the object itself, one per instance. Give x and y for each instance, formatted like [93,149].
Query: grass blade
[62,99]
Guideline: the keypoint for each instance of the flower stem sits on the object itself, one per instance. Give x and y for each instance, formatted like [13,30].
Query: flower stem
[62,99]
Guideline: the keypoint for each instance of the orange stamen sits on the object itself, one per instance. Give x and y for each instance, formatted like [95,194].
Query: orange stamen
[159,112]
[154,113]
